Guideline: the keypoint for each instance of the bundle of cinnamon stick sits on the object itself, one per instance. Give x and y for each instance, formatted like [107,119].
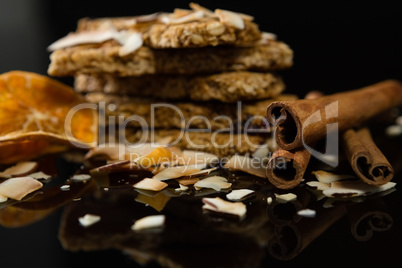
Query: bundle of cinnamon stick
[300,124]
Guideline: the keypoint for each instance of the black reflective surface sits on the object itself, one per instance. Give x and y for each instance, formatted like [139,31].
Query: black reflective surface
[44,229]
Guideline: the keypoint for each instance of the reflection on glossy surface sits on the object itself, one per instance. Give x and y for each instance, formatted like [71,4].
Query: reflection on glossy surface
[270,232]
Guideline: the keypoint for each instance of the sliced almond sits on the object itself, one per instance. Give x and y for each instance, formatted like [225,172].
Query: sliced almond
[239,194]
[230,18]
[175,172]
[88,220]
[355,188]
[153,221]
[317,185]
[150,184]
[246,164]
[20,169]
[328,177]
[284,198]
[18,188]
[219,205]
[214,182]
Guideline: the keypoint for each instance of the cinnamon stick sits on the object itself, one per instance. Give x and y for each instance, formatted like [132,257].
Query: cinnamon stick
[305,121]
[367,161]
[286,168]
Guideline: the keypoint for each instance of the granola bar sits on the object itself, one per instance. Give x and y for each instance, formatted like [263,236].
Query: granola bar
[183,28]
[225,87]
[221,144]
[195,115]
[104,58]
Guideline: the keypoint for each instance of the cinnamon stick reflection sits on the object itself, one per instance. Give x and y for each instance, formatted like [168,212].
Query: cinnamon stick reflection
[292,238]
[302,121]
[366,159]
[368,217]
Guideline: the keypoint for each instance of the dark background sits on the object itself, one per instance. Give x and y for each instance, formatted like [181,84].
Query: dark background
[336,47]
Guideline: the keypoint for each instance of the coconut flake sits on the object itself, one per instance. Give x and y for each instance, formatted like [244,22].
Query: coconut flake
[39,175]
[284,198]
[261,153]
[219,205]
[181,188]
[92,37]
[20,169]
[317,185]
[308,213]
[132,43]
[80,177]
[249,165]
[230,18]
[187,181]
[239,194]
[3,198]
[328,177]
[394,130]
[150,184]
[214,182]
[193,16]
[175,172]
[355,188]
[153,221]
[18,188]
[269,200]
[65,187]
[88,220]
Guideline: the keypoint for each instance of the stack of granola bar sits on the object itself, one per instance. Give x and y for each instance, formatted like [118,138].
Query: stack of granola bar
[203,78]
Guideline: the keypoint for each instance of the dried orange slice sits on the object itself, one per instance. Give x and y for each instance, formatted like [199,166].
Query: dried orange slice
[40,115]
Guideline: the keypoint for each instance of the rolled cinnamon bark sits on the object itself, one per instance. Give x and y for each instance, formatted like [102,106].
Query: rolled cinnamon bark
[286,168]
[305,121]
[367,161]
